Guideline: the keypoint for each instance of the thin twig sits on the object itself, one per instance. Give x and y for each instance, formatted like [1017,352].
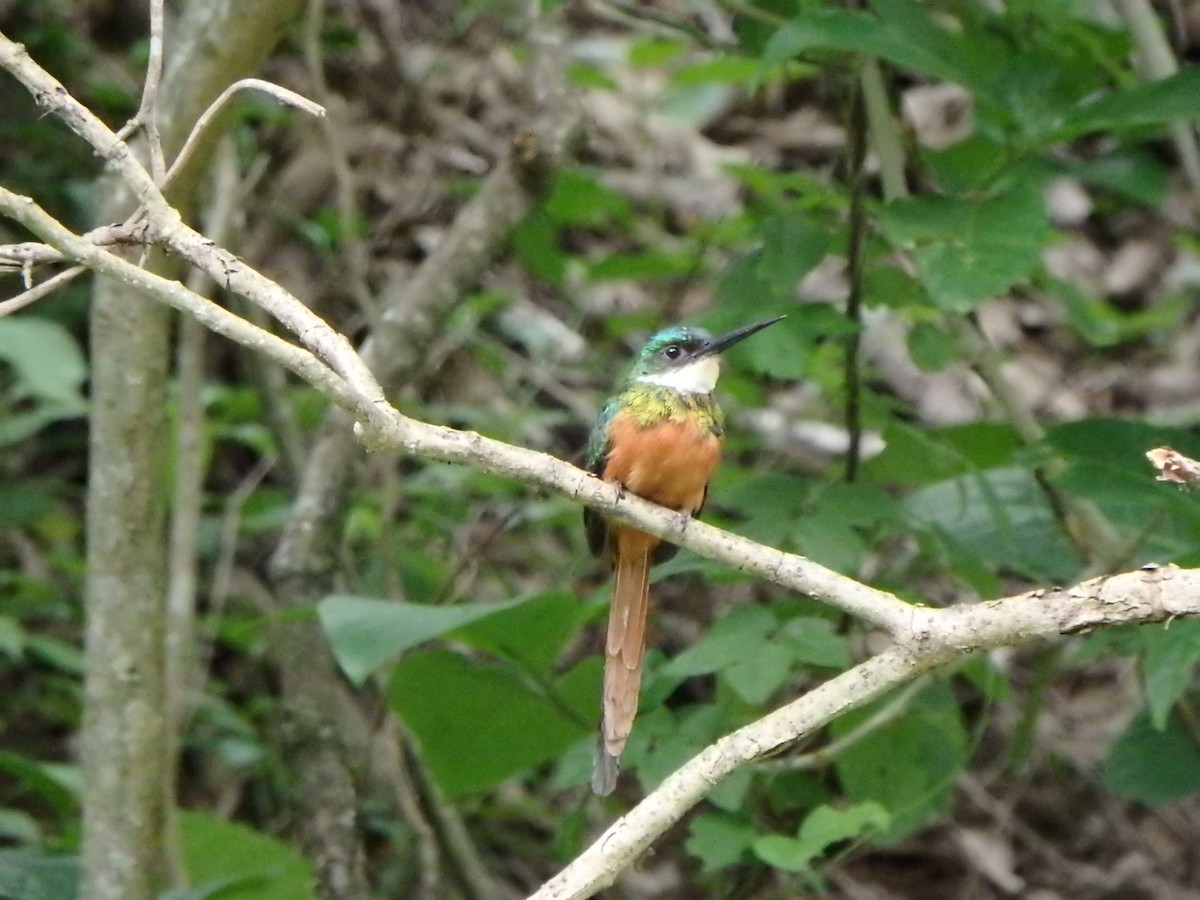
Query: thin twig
[212,315]
[824,756]
[166,227]
[282,94]
[855,266]
[36,293]
[349,214]
[181,669]
[147,114]
[477,884]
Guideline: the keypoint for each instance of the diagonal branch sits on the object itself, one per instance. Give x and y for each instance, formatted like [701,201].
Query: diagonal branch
[211,315]
[165,227]
[938,637]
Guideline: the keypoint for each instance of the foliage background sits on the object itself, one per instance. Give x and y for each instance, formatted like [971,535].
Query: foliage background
[1025,327]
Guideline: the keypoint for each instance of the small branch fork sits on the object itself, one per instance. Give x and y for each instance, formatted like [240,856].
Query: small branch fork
[923,637]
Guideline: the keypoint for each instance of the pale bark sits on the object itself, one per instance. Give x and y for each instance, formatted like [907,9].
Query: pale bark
[125,740]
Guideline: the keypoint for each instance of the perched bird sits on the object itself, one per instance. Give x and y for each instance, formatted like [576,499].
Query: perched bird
[659,437]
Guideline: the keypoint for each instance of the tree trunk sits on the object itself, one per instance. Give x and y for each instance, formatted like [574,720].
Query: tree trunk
[124,734]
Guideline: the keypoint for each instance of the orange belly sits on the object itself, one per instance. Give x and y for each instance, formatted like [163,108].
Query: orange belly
[669,462]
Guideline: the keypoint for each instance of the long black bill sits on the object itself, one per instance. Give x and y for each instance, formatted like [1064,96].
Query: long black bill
[727,340]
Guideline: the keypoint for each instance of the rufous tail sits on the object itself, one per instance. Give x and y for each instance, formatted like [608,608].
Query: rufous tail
[623,651]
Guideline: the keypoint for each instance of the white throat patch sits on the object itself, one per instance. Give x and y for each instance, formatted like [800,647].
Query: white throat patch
[699,377]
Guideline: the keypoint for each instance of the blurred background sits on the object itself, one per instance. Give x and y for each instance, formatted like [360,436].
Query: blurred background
[981,221]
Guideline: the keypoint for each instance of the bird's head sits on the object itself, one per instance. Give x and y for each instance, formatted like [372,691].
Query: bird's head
[687,359]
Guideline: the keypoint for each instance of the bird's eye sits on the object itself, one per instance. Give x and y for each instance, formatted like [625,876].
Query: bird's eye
[672,352]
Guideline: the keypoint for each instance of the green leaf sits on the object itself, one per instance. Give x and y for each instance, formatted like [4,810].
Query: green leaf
[814,642]
[654,51]
[931,347]
[908,766]
[530,633]
[1152,765]
[1003,517]
[46,357]
[913,456]
[18,827]
[478,724]
[821,829]
[1168,665]
[728,68]
[29,875]
[536,243]
[648,264]
[719,839]
[831,543]
[853,31]
[248,864]
[965,250]
[729,641]
[366,633]
[1173,99]
[760,672]
[577,198]
[792,245]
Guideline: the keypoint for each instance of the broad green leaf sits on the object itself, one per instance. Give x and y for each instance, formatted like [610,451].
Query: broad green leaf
[990,681]
[1002,516]
[18,827]
[670,738]
[966,251]
[1168,665]
[821,829]
[730,794]
[32,875]
[829,542]
[1134,172]
[54,784]
[719,839]
[768,503]
[23,504]
[1153,765]
[908,766]
[782,852]
[1118,442]
[855,503]
[530,633]
[792,245]
[931,347]
[577,198]
[536,244]
[248,864]
[46,358]
[814,642]
[730,640]
[983,445]
[760,672]
[853,31]
[913,456]
[648,264]
[1173,99]
[827,825]
[478,724]
[727,68]
[1137,504]
[654,51]
[366,633]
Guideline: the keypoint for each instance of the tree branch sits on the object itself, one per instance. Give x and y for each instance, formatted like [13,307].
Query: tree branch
[936,637]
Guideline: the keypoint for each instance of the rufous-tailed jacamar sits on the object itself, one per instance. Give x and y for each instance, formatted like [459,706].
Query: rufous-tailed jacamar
[659,437]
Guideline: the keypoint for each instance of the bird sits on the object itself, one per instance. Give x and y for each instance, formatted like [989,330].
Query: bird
[659,437]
